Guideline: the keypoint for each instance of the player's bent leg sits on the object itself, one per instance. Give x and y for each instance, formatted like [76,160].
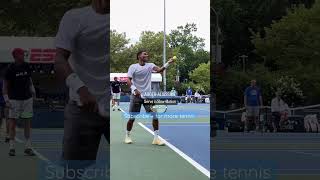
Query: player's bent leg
[128,139]
[134,109]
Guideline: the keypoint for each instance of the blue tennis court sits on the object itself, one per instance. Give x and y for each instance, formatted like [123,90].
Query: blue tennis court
[191,138]
[286,154]
[189,135]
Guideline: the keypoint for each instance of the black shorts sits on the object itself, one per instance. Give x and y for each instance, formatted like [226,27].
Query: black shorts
[135,107]
[82,133]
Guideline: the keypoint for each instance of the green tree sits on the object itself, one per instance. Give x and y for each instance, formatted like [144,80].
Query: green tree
[200,76]
[238,19]
[34,17]
[120,52]
[291,46]
[188,48]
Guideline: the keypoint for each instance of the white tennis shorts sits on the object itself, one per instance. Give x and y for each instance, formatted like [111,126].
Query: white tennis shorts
[21,109]
[116,96]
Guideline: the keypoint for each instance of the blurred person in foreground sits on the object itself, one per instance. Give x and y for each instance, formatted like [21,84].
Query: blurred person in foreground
[81,62]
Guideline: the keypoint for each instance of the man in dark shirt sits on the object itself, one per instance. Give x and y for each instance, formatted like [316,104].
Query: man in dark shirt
[18,93]
[115,86]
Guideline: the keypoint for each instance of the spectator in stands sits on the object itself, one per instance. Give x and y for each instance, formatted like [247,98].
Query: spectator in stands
[276,104]
[280,111]
[252,103]
[197,96]
[173,92]
[189,94]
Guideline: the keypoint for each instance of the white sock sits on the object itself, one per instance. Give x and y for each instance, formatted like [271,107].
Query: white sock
[11,144]
[28,143]
[128,133]
[156,133]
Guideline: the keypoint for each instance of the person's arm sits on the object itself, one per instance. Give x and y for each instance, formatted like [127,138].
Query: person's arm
[245,100]
[66,74]
[5,92]
[64,42]
[134,90]
[261,102]
[165,66]
[130,74]
[5,86]
[32,89]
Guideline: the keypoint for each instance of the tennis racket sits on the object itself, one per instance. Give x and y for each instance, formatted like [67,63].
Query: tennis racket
[160,109]
[158,103]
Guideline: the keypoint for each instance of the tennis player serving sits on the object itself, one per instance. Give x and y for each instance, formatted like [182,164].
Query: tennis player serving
[139,80]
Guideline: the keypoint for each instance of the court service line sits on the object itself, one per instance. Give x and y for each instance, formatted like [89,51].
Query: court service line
[179,152]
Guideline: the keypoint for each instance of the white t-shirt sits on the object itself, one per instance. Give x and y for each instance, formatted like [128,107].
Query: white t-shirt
[141,76]
[278,105]
[85,34]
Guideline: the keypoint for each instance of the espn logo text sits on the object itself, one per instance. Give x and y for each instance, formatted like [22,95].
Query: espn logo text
[38,55]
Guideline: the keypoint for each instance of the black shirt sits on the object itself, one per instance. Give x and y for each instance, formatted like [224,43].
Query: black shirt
[18,78]
[115,86]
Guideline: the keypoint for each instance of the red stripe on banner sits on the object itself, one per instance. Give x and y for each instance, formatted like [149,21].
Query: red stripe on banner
[42,55]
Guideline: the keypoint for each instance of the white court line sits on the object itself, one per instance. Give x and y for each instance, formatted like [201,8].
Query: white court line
[183,155]
[181,122]
[262,150]
[179,152]
[190,125]
[306,153]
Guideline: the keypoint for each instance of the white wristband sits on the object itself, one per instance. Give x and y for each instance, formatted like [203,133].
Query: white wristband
[133,88]
[166,65]
[74,82]
[6,97]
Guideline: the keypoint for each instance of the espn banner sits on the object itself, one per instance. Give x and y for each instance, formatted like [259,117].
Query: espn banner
[37,49]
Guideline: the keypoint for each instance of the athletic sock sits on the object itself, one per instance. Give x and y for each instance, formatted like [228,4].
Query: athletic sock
[28,144]
[128,133]
[11,144]
[156,133]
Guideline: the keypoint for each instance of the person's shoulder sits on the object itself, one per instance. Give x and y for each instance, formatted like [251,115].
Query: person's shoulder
[76,12]
[150,64]
[74,15]
[133,65]
[248,88]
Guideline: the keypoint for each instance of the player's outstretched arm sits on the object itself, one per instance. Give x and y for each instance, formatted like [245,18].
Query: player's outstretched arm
[165,66]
